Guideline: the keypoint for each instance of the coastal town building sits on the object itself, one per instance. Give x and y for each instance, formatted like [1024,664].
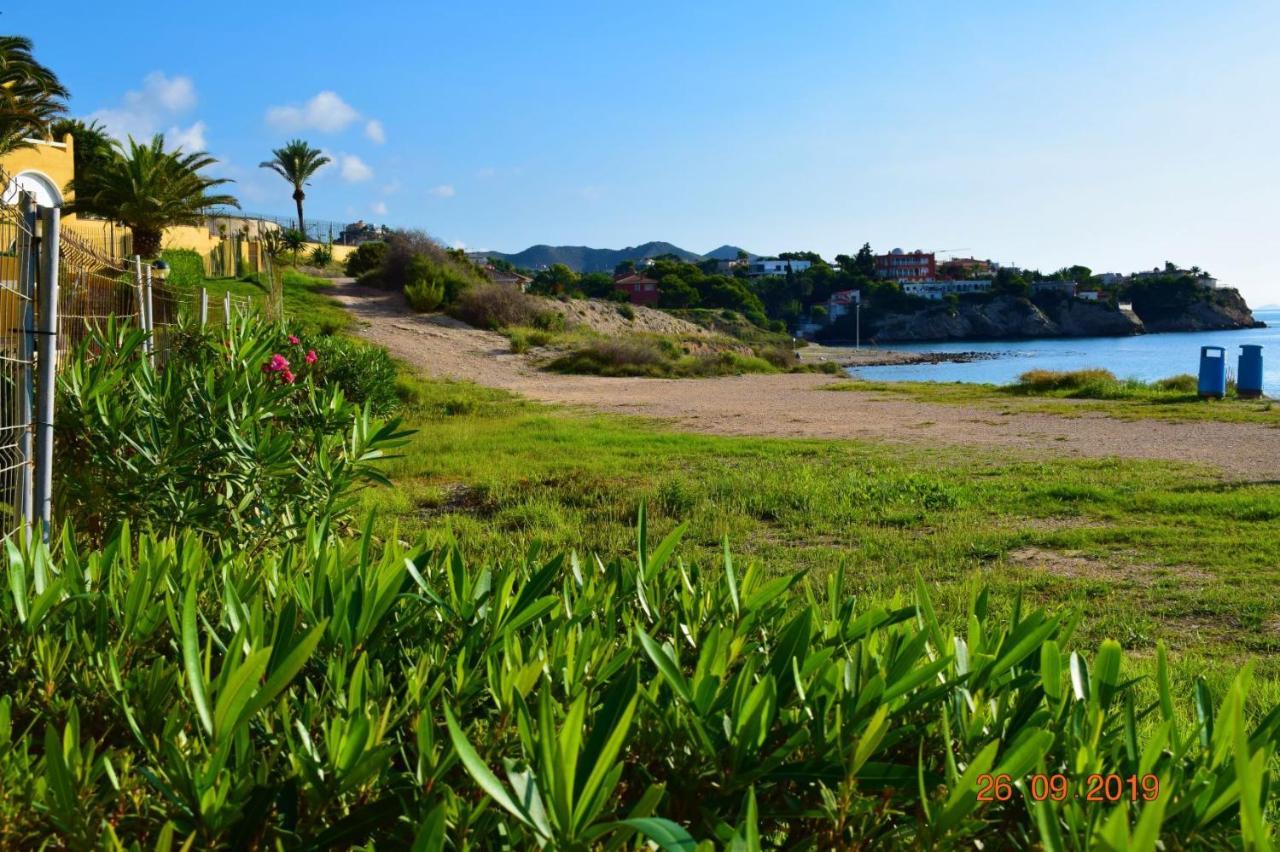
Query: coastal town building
[899,265]
[506,277]
[966,267]
[1066,288]
[762,267]
[1091,295]
[841,303]
[360,232]
[937,290]
[1203,279]
[640,289]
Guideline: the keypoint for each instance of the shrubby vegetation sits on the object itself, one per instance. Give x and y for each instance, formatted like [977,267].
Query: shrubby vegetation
[429,275]
[497,307]
[186,268]
[242,434]
[330,693]
[1102,384]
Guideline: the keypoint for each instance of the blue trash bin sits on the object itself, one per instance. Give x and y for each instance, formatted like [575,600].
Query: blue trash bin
[1213,371]
[1249,376]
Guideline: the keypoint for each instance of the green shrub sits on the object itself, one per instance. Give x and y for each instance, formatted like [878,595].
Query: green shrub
[523,338]
[1102,384]
[320,257]
[370,694]
[424,294]
[186,269]
[366,257]
[616,357]
[626,312]
[364,373]
[497,306]
[222,438]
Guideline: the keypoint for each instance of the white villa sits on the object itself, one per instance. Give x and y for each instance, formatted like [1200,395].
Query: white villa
[936,290]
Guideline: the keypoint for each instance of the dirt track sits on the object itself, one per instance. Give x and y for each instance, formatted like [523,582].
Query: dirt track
[794,406]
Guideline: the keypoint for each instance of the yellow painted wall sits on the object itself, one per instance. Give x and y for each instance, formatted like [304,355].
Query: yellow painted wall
[54,160]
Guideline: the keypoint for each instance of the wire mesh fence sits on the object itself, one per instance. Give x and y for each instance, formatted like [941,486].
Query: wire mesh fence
[57,287]
[17,357]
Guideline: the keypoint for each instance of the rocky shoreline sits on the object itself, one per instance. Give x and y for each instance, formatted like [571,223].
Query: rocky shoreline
[848,356]
[1019,318]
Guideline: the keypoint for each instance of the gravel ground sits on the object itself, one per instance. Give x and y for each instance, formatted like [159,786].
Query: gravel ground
[793,405]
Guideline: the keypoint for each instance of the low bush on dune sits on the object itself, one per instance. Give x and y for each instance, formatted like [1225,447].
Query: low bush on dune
[496,306]
[655,356]
[161,693]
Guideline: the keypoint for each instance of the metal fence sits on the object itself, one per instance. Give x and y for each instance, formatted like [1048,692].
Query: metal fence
[56,289]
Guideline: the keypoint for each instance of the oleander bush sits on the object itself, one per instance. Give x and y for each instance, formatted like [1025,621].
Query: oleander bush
[364,373]
[235,433]
[328,693]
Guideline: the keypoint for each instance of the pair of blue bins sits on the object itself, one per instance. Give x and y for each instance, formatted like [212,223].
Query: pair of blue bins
[1213,371]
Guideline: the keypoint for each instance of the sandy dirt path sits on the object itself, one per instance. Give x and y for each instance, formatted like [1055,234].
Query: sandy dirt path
[793,405]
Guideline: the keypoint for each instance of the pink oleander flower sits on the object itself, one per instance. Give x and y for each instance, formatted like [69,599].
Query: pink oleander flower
[288,377]
[311,356]
[277,364]
[293,339]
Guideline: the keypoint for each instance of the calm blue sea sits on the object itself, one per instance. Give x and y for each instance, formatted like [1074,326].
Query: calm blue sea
[1146,357]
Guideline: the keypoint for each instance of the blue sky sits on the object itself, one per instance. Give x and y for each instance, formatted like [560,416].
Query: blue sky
[1117,135]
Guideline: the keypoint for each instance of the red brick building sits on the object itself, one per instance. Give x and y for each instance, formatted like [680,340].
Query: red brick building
[899,265]
[639,289]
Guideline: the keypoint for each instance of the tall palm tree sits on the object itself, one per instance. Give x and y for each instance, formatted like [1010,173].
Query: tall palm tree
[296,162]
[149,189]
[30,94]
[93,148]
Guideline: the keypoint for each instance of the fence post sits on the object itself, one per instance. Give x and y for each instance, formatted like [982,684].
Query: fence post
[151,319]
[47,362]
[27,261]
[226,308]
[204,307]
[137,290]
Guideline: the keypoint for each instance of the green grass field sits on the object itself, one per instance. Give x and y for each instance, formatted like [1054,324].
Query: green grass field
[1137,404]
[1144,550]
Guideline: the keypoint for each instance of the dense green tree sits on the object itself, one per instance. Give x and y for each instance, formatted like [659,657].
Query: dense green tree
[31,96]
[296,162]
[93,147]
[556,280]
[149,189]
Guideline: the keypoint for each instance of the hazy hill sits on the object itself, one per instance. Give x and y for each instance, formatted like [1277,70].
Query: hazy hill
[725,252]
[587,259]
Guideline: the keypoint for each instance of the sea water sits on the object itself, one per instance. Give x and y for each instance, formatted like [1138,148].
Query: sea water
[1145,356]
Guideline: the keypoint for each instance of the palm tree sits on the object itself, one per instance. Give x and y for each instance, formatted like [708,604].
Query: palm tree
[93,148]
[296,162]
[30,94]
[149,189]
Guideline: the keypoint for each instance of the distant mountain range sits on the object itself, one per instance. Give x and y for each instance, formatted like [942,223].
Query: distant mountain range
[586,259]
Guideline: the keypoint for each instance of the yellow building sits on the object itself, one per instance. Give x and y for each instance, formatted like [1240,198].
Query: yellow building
[44,169]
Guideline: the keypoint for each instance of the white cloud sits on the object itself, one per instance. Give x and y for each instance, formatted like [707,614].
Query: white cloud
[444,190]
[391,188]
[459,244]
[354,169]
[326,112]
[373,130]
[190,139]
[143,112]
[380,207]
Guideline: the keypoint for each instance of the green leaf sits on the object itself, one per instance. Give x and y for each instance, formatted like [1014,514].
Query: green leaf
[666,665]
[480,772]
[666,834]
[191,659]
